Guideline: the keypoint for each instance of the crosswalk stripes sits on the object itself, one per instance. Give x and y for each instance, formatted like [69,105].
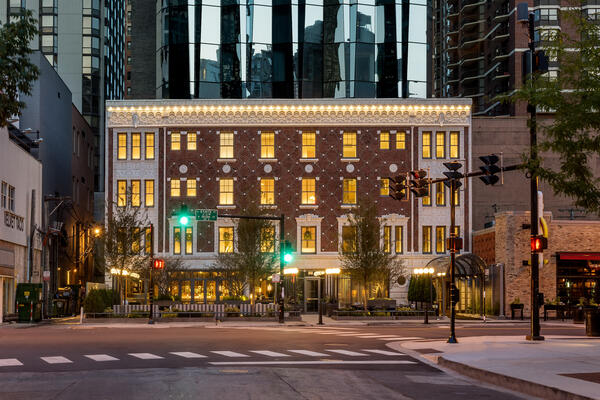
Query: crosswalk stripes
[57,360]
[187,354]
[401,338]
[101,357]
[145,356]
[10,362]
[269,353]
[309,353]
[347,352]
[230,354]
[384,352]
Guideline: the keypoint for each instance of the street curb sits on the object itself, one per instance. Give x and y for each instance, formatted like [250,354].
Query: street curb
[512,383]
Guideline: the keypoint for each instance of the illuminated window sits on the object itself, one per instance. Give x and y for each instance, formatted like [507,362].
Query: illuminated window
[149,145]
[267,239]
[440,194]
[226,191]
[457,230]
[267,191]
[121,193]
[349,145]
[149,193]
[191,188]
[267,145]
[309,144]
[191,141]
[349,194]
[440,239]
[177,240]
[440,145]
[400,140]
[148,241]
[188,239]
[175,188]
[136,146]
[309,239]
[348,239]
[226,141]
[175,141]
[399,242]
[456,197]
[384,187]
[426,239]
[426,200]
[454,152]
[308,191]
[122,146]
[387,239]
[426,144]
[226,239]
[135,240]
[136,197]
[384,140]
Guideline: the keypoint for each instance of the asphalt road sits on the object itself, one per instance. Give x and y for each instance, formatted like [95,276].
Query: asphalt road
[79,362]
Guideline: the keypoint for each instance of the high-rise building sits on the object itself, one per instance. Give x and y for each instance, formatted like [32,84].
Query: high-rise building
[284,49]
[84,42]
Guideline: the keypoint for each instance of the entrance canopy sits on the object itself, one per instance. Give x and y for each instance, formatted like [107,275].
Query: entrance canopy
[467,265]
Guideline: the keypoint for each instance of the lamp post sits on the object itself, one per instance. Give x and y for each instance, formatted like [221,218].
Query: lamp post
[441,276]
[322,275]
[428,272]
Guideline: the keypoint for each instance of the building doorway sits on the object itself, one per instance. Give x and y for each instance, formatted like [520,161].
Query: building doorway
[312,294]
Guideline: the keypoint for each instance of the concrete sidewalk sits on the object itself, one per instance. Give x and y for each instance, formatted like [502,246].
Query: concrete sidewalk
[561,367]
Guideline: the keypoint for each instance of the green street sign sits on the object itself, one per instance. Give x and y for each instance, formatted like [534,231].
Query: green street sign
[206,214]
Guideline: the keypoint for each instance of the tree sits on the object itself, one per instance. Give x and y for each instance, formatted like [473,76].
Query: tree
[254,258]
[363,255]
[573,97]
[17,73]
[421,289]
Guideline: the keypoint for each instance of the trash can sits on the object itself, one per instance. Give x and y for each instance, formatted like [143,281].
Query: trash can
[29,302]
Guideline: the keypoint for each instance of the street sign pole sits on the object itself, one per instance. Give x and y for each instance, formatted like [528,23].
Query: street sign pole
[281,265]
[151,284]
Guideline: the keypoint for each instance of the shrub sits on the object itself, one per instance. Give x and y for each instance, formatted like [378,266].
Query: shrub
[97,300]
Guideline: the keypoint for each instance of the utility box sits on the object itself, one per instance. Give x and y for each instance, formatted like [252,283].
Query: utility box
[29,302]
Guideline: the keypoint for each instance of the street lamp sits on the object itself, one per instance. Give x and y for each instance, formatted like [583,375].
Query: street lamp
[429,272]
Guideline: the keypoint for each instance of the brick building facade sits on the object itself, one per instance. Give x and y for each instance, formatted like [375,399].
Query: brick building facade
[307,159]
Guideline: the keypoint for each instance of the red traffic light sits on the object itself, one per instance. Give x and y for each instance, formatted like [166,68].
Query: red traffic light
[159,264]
[538,244]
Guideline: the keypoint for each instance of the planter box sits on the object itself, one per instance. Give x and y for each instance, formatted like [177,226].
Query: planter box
[382,304]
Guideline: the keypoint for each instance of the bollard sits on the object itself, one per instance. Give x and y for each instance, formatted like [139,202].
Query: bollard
[81,316]
[31,312]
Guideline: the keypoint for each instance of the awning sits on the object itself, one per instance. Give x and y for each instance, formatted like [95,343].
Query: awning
[579,256]
[467,265]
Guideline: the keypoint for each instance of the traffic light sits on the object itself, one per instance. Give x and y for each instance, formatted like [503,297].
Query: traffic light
[490,169]
[454,295]
[288,256]
[183,215]
[419,185]
[158,264]
[538,244]
[453,173]
[397,188]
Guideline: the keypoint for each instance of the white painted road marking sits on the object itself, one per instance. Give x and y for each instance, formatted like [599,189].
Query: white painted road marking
[187,354]
[379,336]
[145,356]
[10,362]
[269,353]
[56,360]
[101,357]
[347,353]
[401,338]
[229,353]
[309,353]
[372,362]
[384,352]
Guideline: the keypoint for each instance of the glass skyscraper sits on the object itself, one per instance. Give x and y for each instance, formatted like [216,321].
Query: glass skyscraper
[293,48]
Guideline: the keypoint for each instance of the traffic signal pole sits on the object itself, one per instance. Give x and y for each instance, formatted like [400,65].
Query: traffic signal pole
[281,265]
[151,288]
[452,338]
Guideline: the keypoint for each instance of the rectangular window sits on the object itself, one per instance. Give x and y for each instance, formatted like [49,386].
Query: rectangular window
[267,145]
[136,146]
[177,240]
[440,239]
[384,187]
[175,188]
[121,193]
[226,142]
[188,239]
[175,141]
[309,239]
[456,197]
[4,194]
[426,200]
[191,141]
[387,239]
[457,230]
[440,145]
[426,239]
[149,145]
[454,137]
[267,191]
[349,145]
[309,145]
[11,198]
[267,239]
[226,191]
[348,239]
[122,146]
[349,187]
[399,242]
[149,193]
[308,191]
[226,239]
[136,198]
[148,241]
[191,188]
[135,240]
[384,140]
[440,194]
[426,144]
[401,141]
